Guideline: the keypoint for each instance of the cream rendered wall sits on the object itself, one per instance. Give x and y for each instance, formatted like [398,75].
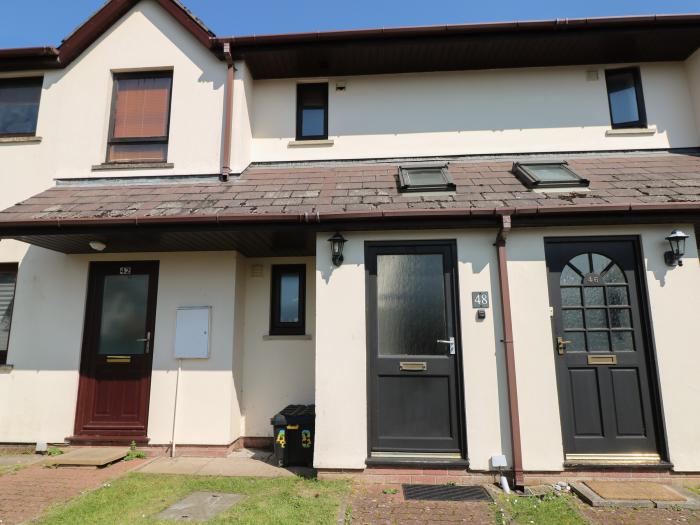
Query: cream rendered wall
[678,361]
[692,69]
[38,397]
[75,106]
[242,131]
[473,112]
[341,355]
[341,432]
[277,371]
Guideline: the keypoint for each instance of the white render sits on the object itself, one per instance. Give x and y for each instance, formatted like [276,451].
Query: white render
[249,376]
[341,434]
[473,112]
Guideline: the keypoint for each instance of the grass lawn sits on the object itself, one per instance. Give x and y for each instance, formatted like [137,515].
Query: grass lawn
[137,498]
[550,510]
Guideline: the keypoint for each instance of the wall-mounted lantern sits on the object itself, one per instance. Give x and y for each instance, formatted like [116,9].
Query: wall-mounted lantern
[337,242]
[674,257]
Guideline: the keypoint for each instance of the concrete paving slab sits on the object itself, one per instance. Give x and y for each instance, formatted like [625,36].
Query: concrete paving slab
[200,506]
[88,457]
[242,467]
[182,465]
[230,466]
[692,500]
[253,453]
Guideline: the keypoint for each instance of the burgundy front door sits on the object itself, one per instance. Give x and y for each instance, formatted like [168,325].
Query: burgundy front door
[115,371]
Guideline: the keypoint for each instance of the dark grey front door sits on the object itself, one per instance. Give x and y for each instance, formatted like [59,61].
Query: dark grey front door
[601,353]
[413,348]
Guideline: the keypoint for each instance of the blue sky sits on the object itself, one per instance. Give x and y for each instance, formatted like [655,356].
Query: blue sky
[46,22]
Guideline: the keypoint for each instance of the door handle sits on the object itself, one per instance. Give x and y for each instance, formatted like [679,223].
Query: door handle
[561,345]
[451,342]
[146,340]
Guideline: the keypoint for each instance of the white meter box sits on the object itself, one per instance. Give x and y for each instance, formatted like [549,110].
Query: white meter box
[192,332]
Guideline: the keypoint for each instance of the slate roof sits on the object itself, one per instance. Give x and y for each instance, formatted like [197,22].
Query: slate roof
[622,181]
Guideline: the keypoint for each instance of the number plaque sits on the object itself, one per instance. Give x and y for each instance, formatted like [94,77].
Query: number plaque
[480,299]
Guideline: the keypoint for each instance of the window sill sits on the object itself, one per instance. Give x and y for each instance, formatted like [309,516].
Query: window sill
[20,140]
[651,130]
[304,337]
[302,143]
[6,369]
[132,166]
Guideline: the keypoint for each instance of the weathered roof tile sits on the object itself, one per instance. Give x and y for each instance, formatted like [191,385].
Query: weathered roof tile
[483,186]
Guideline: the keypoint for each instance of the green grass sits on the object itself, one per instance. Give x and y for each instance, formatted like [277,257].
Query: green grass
[137,498]
[550,510]
[695,489]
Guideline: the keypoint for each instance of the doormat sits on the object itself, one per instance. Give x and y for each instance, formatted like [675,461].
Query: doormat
[200,506]
[634,490]
[445,493]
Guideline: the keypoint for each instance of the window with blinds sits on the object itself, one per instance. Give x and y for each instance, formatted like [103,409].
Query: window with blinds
[8,280]
[140,117]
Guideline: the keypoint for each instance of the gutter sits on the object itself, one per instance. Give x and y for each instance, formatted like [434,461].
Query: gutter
[666,212]
[228,114]
[518,26]
[510,351]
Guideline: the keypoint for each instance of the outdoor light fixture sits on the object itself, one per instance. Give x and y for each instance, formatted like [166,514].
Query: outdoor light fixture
[98,246]
[677,242]
[337,242]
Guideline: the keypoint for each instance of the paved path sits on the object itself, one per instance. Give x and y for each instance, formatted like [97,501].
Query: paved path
[369,504]
[230,466]
[25,494]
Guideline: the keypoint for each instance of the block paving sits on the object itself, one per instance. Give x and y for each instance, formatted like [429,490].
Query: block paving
[27,493]
[369,504]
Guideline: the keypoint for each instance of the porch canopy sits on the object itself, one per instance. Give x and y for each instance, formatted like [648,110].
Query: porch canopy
[277,209]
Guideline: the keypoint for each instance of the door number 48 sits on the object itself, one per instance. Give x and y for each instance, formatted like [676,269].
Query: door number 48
[480,299]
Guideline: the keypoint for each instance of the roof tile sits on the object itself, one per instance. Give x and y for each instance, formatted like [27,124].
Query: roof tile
[344,189]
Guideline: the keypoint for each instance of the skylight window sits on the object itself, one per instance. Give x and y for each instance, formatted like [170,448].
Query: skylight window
[547,175]
[425,178]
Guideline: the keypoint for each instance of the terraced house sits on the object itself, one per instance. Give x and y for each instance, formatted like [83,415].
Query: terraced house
[512,266]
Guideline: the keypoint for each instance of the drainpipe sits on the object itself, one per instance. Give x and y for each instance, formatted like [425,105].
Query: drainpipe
[510,353]
[228,114]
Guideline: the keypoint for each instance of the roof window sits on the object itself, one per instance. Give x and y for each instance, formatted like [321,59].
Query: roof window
[536,175]
[425,178]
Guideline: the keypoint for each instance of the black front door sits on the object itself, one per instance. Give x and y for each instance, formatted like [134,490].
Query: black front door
[601,353]
[413,348]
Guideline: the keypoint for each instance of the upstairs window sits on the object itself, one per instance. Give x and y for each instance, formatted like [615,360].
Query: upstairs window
[312,111]
[547,175]
[8,280]
[425,178]
[288,306]
[138,130]
[625,98]
[19,106]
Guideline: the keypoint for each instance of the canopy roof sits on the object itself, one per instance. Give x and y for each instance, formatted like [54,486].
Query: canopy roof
[276,209]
